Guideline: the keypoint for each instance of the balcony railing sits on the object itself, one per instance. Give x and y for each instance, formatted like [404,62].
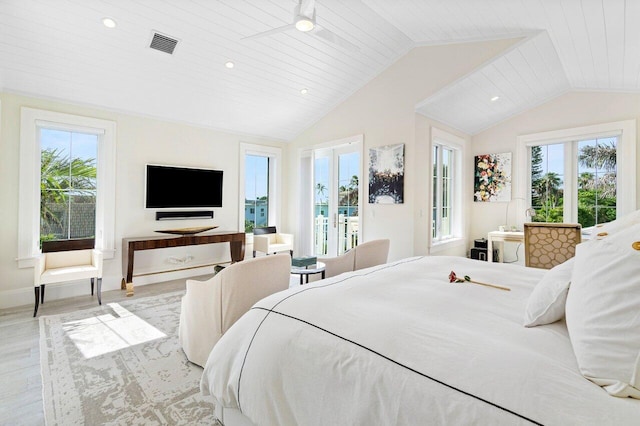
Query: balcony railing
[347,233]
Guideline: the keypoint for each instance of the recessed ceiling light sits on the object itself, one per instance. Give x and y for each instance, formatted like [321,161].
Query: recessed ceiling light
[109,22]
[304,91]
[229,64]
[495,98]
[304,24]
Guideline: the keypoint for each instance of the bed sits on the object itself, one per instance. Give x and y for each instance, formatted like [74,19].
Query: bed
[398,344]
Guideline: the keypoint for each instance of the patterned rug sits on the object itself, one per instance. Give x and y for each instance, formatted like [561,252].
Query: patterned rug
[120,363]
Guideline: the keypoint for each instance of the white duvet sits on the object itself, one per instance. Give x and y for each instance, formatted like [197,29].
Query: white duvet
[398,344]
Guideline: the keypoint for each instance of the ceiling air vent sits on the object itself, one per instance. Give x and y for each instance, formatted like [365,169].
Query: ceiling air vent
[163,43]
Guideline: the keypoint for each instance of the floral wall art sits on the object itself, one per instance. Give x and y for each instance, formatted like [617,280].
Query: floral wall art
[492,177]
[386,174]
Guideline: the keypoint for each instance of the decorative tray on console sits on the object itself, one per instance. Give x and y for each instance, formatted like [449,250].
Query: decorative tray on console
[187,231]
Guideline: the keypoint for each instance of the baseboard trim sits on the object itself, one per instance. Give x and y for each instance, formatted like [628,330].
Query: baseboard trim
[16,297]
[24,296]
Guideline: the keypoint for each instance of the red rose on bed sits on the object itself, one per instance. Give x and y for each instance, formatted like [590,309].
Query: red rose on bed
[453,278]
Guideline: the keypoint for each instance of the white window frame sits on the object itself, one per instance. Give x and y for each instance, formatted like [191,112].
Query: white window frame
[31,120]
[458,205]
[626,164]
[275,182]
[351,143]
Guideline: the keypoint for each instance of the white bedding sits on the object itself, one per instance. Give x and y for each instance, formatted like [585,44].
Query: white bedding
[398,344]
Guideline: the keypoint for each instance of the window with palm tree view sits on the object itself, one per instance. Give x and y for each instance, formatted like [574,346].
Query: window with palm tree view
[68,176]
[336,184]
[592,186]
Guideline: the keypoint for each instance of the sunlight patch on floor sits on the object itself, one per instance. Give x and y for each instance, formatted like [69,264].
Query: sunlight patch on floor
[111,332]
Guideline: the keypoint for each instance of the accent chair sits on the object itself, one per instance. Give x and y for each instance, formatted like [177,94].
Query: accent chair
[268,240]
[67,260]
[362,256]
[209,308]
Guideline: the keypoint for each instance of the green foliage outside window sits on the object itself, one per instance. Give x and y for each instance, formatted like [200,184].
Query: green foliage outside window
[65,184]
[597,194]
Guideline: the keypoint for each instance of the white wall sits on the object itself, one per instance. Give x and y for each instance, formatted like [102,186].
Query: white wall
[573,109]
[384,112]
[139,141]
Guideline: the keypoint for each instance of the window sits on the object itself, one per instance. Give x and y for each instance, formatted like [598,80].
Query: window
[595,180]
[446,191]
[259,186]
[584,175]
[441,226]
[41,133]
[256,191]
[337,195]
[68,173]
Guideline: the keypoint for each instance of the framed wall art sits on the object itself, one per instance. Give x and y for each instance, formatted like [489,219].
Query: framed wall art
[386,174]
[492,178]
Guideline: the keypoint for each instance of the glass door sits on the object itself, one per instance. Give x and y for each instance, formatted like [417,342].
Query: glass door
[337,195]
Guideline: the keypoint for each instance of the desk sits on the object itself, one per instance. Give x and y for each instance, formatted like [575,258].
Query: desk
[502,237]
[131,245]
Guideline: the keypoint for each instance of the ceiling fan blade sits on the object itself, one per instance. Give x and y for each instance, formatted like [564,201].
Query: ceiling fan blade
[335,39]
[271,31]
[307,8]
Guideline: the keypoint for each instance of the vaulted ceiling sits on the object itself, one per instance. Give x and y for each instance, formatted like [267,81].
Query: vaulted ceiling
[60,49]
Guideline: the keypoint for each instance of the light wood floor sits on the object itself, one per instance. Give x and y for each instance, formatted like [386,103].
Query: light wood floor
[21,382]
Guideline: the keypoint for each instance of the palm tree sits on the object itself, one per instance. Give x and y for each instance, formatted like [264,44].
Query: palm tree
[353,190]
[548,193]
[585,181]
[600,156]
[353,183]
[60,177]
[549,188]
[321,190]
[607,185]
[343,195]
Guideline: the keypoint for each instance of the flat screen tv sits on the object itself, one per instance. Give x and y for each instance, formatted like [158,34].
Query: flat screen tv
[182,187]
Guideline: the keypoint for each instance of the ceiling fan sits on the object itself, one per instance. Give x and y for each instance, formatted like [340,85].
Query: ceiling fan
[304,20]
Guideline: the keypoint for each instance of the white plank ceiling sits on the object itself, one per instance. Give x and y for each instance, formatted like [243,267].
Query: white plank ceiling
[59,49]
[585,45]
[521,78]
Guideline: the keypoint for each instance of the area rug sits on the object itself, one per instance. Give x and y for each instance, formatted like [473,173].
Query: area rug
[120,363]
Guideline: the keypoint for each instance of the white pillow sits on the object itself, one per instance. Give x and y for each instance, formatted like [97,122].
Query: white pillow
[603,311]
[617,225]
[546,302]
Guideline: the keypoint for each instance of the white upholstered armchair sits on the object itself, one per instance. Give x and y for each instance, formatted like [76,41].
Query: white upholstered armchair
[269,240]
[367,254]
[66,260]
[210,307]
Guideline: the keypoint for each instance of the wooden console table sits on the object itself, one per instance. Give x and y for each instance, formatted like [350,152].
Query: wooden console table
[131,245]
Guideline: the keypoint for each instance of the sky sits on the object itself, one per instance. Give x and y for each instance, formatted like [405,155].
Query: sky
[256,168]
[348,166]
[256,175]
[82,145]
[553,156]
